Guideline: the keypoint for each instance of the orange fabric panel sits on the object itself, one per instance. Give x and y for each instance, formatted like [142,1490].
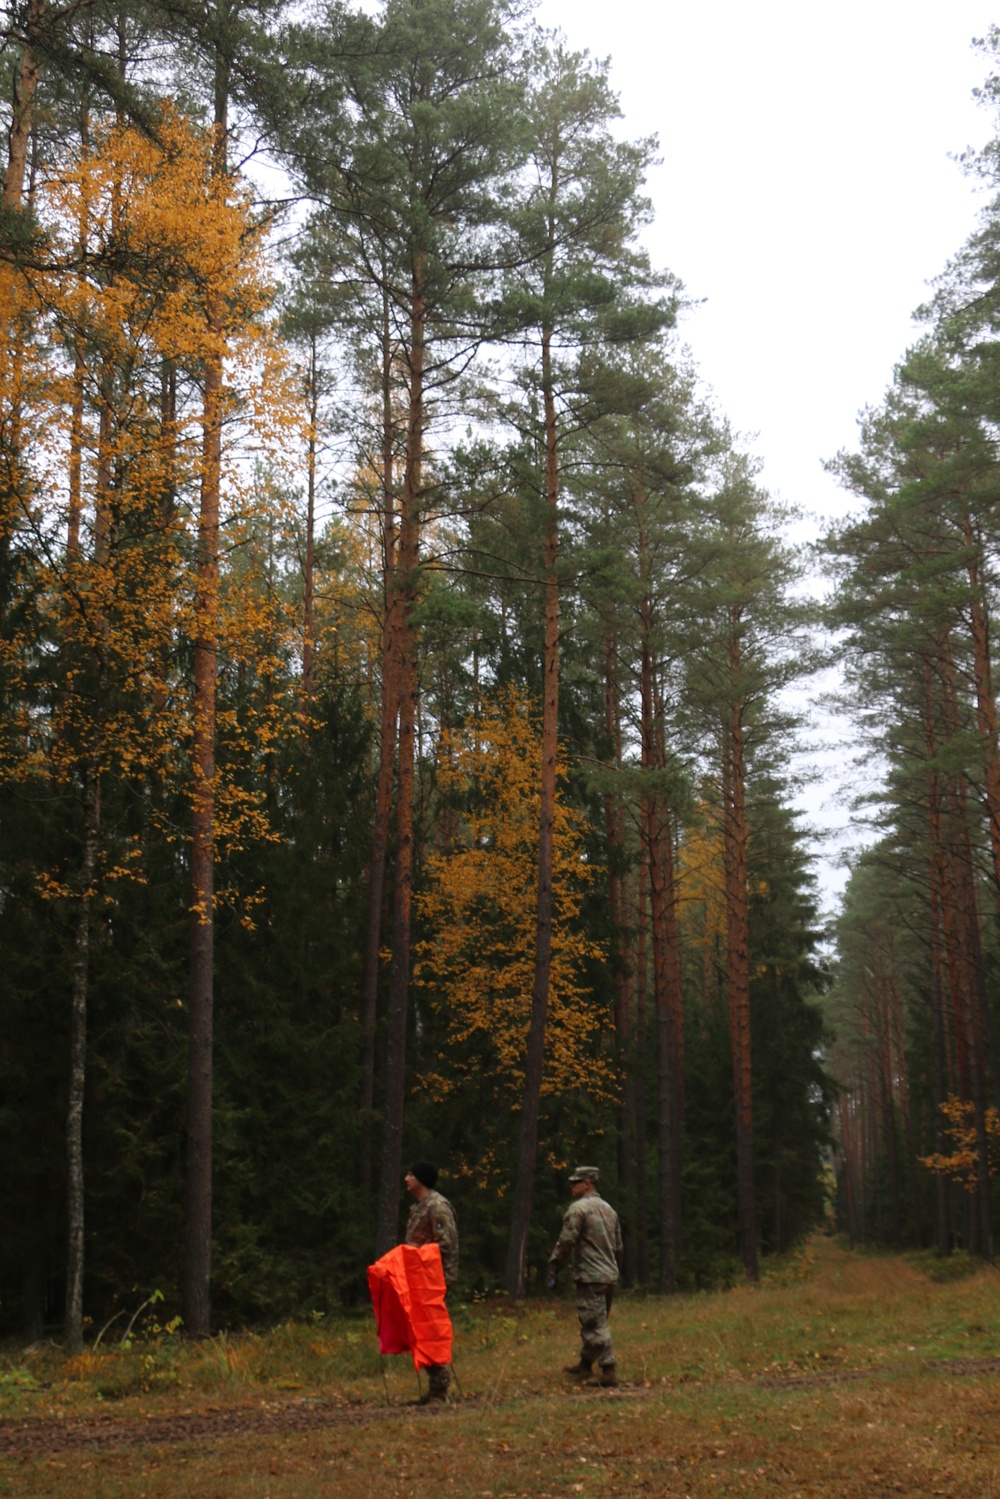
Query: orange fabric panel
[387,1284]
[407,1289]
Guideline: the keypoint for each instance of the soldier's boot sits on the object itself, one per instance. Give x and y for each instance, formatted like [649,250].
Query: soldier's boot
[434,1396]
[609,1377]
[583,1370]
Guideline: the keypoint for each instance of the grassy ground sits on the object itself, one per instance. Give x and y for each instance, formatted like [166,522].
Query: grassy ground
[848,1375]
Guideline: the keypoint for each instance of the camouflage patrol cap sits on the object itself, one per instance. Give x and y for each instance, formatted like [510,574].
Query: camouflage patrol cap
[584,1173]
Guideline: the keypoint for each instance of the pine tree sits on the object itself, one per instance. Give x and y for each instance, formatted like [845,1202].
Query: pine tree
[579,280]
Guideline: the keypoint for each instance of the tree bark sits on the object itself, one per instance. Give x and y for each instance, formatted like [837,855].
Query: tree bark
[669,1028]
[535,1051]
[312,405]
[78,1052]
[986,706]
[615,834]
[641,1009]
[98,630]
[738,961]
[392,607]
[886,1098]
[942,1235]
[198,1195]
[196,1300]
[25,89]
[399,981]
[673,993]
[959,868]
[667,989]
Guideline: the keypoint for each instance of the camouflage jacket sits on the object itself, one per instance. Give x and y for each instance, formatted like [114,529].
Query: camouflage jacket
[592,1234]
[432,1221]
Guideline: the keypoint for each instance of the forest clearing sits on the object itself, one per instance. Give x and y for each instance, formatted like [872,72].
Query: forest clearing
[406,679]
[848,1374]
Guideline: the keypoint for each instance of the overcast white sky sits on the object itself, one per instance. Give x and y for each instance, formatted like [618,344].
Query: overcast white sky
[808,195]
[806,191]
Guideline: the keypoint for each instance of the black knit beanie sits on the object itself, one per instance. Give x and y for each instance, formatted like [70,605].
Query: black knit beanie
[425,1173]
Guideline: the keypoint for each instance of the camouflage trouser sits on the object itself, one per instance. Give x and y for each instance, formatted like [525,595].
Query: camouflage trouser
[593,1303]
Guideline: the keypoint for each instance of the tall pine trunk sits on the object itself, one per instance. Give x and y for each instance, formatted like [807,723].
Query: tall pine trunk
[399,980]
[942,1235]
[886,1098]
[614,824]
[734,825]
[535,1052]
[389,713]
[673,996]
[669,1033]
[986,706]
[196,1301]
[308,569]
[201,999]
[960,878]
[25,89]
[667,991]
[96,647]
[75,1210]
[641,1011]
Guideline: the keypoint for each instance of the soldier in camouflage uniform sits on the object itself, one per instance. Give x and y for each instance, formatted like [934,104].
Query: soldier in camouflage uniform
[592,1235]
[432,1221]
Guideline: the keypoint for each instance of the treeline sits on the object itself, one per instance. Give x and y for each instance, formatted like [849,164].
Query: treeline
[392,679]
[914,1005]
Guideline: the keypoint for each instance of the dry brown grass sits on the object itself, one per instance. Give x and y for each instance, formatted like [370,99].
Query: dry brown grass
[856,1377]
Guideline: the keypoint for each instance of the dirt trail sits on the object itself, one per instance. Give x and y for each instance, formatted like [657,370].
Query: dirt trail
[837,1272]
[834,1273]
[38,1436]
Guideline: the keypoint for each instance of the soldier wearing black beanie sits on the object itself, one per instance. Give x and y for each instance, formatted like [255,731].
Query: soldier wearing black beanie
[432,1221]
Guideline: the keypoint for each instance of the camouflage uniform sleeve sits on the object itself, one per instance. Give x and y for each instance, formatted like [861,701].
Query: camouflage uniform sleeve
[572,1223]
[416,1228]
[446,1234]
[619,1246]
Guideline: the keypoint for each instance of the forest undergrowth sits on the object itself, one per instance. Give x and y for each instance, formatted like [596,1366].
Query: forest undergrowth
[844,1374]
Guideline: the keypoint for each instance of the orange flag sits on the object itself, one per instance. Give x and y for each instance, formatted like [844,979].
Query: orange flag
[408,1290]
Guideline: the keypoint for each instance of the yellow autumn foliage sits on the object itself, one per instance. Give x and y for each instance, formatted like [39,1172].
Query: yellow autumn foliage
[701,885]
[144,245]
[479,902]
[961,1164]
[701,880]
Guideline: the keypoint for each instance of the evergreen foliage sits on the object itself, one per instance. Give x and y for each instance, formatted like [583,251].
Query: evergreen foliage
[464,451]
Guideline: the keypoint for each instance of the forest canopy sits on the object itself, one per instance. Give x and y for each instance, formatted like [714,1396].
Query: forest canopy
[396,757]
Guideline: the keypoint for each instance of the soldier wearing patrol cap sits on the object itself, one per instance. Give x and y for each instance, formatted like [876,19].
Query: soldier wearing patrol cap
[592,1236]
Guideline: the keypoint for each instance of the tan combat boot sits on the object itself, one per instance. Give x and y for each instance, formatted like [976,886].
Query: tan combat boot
[583,1370]
[609,1377]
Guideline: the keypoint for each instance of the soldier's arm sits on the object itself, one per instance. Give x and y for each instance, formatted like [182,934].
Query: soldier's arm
[418,1231]
[619,1246]
[446,1234]
[572,1224]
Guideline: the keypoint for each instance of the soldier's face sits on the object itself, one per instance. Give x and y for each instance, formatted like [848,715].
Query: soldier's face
[580,1189]
[415,1186]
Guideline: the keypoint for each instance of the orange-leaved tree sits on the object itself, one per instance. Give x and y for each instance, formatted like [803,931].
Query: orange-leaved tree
[701,882]
[479,903]
[117,464]
[962,1165]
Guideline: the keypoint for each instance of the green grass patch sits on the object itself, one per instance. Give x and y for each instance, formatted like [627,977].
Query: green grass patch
[942,1268]
[843,1375]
